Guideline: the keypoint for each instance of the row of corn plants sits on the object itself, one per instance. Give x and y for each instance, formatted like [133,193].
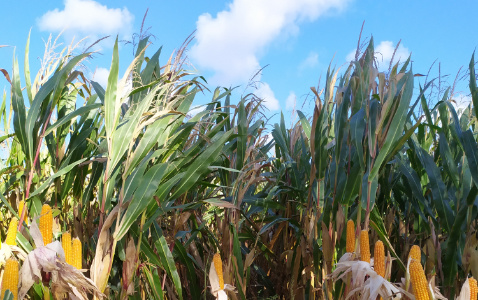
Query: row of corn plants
[119,193]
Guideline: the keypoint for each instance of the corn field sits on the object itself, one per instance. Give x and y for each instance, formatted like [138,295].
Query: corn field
[121,193]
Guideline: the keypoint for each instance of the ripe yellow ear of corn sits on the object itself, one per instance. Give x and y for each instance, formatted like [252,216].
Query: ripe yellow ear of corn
[10,278]
[218,266]
[77,254]
[350,246]
[473,288]
[379,258]
[46,224]
[66,244]
[419,281]
[46,293]
[415,253]
[364,246]
[21,205]
[12,232]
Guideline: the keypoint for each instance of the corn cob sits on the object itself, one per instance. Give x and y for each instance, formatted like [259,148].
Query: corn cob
[218,266]
[12,232]
[419,280]
[46,223]
[364,246]
[21,205]
[10,278]
[379,258]
[473,288]
[350,246]
[66,244]
[47,294]
[76,254]
[415,253]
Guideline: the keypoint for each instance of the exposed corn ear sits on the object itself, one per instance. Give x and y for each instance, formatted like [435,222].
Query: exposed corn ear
[47,294]
[379,258]
[364,246]
[473,288]
[12,232]
[77,254]
[10,278]
[46,224]
[218,266]
[415,253]
[66,244]
[350,246]
[418,280]
[21,205]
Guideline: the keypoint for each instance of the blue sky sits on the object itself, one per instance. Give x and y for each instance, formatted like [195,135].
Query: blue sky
[296,39]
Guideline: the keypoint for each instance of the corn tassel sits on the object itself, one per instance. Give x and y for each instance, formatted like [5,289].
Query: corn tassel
[12,232]
[66,244]
[379,258]
[473,288]
[350,246]
[419,281]
[77,254]
[218,266]
[415,253]
[46,224]
[10,278]
[364,246]
[21,205]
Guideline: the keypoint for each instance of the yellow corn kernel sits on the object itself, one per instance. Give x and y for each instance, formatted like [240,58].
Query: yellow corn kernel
[415,253]
[379,258]
[21,205]
[364,246]
[418,280]
[350,246]
[66,244]
[12,232]
[47,294]
[46,224]
[76,254]
[473,288]
[218,266]
[10,278]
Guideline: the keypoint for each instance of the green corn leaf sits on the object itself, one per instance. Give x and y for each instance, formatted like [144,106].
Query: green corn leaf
[305,124]
[201,164]
[167,261]
[141,198]
[50,179]
[19,116]
[26,68]
[396,127]
[154,283]
[79,112]
[112,107]
[187,260]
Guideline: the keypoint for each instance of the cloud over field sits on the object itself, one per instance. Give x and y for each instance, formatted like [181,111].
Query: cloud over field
[291,101]
[310,61]
[231,43]
[87,17]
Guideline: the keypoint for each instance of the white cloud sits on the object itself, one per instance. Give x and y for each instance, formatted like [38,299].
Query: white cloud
[231,43]
[290,103]
[101,76]
[195,110]
[461,103]
[87,17]
[265,92]
[311,61]
[383,54]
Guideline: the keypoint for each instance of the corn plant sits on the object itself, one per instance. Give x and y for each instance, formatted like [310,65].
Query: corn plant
[152,202]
